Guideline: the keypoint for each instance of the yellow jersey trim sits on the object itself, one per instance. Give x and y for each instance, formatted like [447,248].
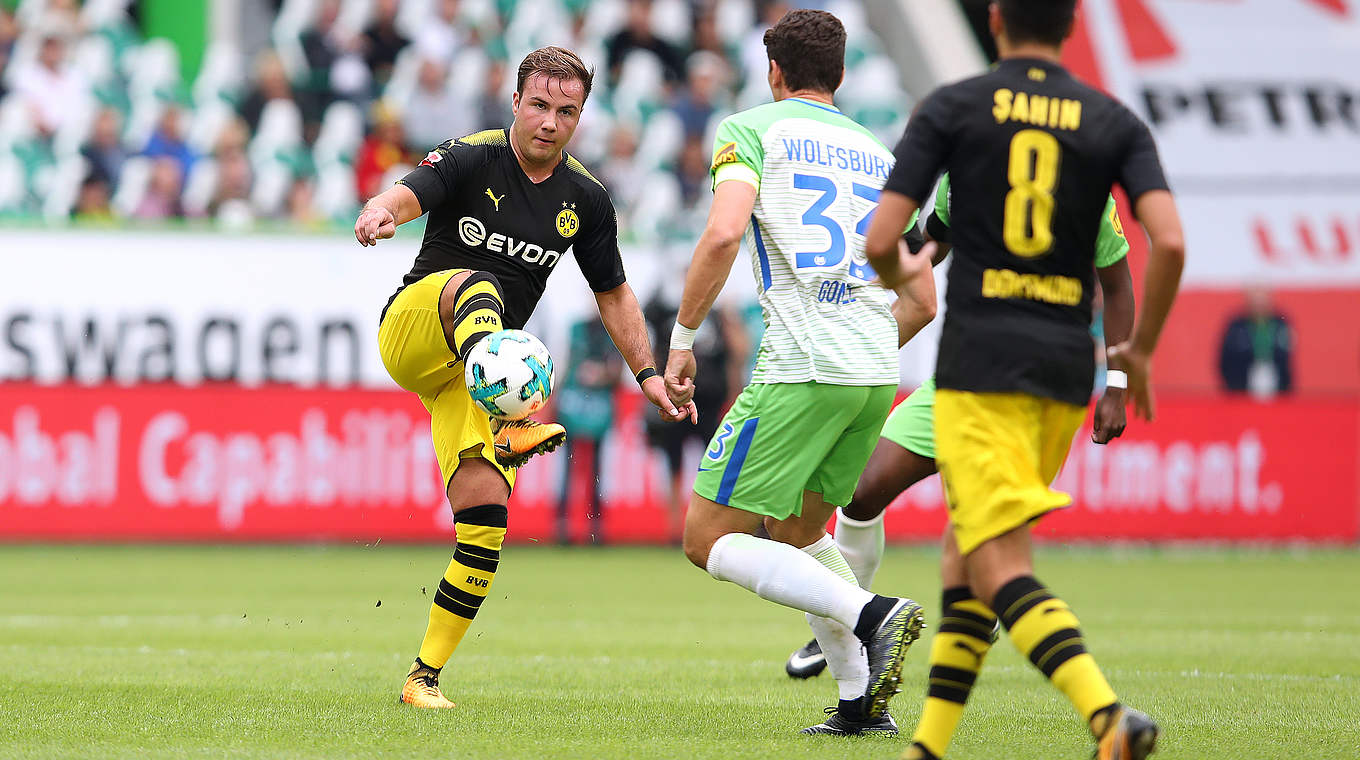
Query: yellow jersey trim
[485,137]
[579,168]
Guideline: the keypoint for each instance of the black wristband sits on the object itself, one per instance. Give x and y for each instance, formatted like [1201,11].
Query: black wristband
[645,374]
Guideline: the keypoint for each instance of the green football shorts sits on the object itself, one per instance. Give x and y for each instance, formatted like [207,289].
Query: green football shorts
[912,424]
[780,439]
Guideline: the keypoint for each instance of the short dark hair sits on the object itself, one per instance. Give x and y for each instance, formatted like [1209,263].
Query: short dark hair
[555,63]
[809,47]
[1043,21]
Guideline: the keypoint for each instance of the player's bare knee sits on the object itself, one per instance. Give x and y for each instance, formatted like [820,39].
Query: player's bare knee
[697,547]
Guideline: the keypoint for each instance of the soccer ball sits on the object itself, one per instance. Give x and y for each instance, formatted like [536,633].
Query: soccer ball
[509,374]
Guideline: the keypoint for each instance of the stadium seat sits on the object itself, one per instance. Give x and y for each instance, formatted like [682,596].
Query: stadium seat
[153,69]
[16,123]
[342,129]
[207,123]
[93,57]
[131,185]
[272,181]
[672,22]
[13,184]
[222,74]
[141,122]
[63,187]
[280,129]
[335,194]
[199,188]
[294,18]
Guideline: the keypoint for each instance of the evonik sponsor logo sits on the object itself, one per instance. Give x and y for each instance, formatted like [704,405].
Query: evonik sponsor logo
[472,231]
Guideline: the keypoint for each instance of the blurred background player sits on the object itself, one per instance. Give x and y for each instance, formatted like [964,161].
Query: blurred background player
[794,443]
[585,404]
[1032,154]
[905,454]
[505,206]
[720,346]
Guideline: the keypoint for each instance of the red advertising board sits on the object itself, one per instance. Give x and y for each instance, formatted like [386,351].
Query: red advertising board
[225,463]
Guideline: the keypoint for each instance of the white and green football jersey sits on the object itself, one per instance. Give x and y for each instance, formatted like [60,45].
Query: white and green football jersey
[817,176]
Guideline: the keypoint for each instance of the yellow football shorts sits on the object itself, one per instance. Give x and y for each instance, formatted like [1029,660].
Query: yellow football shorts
[412,345]
[998,453]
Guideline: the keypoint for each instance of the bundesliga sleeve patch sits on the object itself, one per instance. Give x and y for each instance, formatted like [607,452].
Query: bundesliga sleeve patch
[727,154]
[432,158]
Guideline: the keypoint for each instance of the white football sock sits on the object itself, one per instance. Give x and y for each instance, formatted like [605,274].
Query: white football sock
[861,543]
[845,655]
[782,574]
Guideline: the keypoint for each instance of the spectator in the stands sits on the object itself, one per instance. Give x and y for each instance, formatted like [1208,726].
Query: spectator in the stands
[755,61]
[432,113]
[697,102]
[9,32]
[637,35]
[493,107]
[705,37]
[1257,353]
[620,171]
[162,197]
[440,37]
[234,174]
[271,83]
[301,205]
[691,171]
[384,148]
[324,42]
[104,151]
[53,89]
[382,41]
[167,141]
[92,203]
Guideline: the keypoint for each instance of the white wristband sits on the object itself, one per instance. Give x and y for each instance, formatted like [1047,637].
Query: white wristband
[1116,378]
[682,338]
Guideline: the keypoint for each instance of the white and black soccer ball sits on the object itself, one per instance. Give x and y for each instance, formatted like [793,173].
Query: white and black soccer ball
[509,374]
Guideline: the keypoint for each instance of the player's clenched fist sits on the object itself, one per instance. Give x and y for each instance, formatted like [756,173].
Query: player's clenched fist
[375,223]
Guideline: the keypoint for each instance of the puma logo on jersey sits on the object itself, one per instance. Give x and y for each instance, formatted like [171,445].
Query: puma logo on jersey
[494,199]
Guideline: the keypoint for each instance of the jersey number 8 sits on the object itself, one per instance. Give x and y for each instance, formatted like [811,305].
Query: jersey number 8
[1027,227]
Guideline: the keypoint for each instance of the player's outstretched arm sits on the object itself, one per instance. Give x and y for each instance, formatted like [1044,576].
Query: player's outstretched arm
[622,318]
[916,305]
[1116,284]
[1156,211]
[384,212]
[733,202]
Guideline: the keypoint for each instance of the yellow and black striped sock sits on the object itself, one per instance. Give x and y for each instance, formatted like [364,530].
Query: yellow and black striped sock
[465,584]
[478,311]
[957,650]
[1044,629]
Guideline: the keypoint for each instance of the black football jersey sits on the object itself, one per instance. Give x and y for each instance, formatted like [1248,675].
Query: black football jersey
[486,214]
[1032,154]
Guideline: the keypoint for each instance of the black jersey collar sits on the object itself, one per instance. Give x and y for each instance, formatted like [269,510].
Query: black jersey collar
[1042,63]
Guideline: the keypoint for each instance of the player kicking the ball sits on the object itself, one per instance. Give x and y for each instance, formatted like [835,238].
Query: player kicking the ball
[1032,154]
[505,206]
[799,179]
[905,454]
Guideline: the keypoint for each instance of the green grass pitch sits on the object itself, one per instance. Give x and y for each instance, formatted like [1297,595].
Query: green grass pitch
[283,651]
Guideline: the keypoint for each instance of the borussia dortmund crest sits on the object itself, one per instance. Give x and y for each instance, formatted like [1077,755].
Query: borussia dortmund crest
[567,223]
